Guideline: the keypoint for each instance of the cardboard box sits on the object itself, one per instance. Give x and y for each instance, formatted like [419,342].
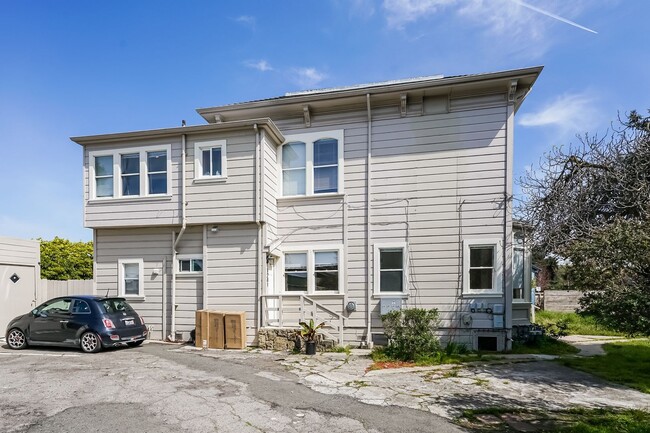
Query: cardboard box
[201,325]
[216,333]
[235,330]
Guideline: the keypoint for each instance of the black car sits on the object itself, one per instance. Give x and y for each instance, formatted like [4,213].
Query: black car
[88,322]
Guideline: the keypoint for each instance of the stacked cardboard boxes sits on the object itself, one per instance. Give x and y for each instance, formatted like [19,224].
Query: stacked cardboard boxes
[220,330]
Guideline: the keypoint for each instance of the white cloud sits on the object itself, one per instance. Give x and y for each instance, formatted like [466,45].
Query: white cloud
[261,65]
[570,113]
[401,12]
[246,20]
[308,77]
[513,18]
[362,8]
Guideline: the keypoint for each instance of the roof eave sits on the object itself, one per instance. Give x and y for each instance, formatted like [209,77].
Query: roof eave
[265,123]
[375,89]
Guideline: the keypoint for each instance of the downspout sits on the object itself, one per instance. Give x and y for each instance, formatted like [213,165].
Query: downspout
[369,266]
[259,204]
[204,304]
[164,299]
[176,239]
[507,228]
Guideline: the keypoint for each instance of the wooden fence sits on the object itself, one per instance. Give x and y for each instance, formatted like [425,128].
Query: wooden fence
[561,300]
[51,289]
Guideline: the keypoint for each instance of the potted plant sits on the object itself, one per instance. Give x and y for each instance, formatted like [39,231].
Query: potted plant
[308,332]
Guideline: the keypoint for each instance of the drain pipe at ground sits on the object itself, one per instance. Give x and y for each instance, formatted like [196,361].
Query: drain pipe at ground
[175,240]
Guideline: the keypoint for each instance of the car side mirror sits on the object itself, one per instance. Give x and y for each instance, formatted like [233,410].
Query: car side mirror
[35,312]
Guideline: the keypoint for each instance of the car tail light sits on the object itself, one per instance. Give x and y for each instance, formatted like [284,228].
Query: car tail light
[115,337]
[108,323]
[142,320]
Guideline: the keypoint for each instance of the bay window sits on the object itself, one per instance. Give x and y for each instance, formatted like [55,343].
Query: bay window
[136,172]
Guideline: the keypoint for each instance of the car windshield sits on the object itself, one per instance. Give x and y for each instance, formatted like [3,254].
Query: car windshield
[111,306]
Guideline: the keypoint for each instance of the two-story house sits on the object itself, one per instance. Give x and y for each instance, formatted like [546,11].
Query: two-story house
[337,204]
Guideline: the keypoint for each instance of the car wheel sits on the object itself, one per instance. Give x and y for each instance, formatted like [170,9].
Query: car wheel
[135,343]
[16,339]
[90,342]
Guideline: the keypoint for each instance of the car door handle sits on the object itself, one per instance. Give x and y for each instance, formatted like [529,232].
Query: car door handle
[63,321]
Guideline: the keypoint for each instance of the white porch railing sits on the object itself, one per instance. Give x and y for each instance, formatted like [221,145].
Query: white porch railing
[287,310]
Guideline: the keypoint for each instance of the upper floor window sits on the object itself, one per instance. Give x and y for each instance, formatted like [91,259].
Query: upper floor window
[210,159]
[482,266]
[390,269]
[138,172]
[312,163]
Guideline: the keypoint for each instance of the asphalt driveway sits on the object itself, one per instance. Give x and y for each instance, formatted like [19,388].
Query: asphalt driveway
[164,388]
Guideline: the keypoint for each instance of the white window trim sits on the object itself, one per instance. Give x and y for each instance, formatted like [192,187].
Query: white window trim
[120,273]
[497,276]
[405,273]
[180,257]
[117,172]
[311,269]
[199,147]
[309,139]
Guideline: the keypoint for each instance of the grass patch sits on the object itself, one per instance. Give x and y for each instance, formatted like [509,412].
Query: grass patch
[567,421]
[577,324]
[340,349]
[627,363]
[382,360]
[545,346]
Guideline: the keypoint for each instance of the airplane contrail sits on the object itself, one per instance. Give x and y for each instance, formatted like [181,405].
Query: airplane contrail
[557,17]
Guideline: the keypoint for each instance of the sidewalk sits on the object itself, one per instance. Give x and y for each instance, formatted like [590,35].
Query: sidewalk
[591,345]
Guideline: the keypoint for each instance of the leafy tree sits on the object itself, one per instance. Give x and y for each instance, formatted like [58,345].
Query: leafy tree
[615,261]
[65,260]
[590,204]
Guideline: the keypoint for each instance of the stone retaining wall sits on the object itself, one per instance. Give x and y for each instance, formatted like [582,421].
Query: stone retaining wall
[285,338]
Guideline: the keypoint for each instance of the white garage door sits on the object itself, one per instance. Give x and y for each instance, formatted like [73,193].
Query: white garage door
[17,297]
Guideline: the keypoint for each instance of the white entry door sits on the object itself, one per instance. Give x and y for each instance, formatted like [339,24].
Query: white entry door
[272,304]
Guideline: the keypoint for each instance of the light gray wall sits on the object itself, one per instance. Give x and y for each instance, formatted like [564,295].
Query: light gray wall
[423,166]
[20,257]
[19,251]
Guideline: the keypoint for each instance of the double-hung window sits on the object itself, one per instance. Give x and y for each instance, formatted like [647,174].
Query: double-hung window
[482,265]
[136,172]
[130,174]
[312,164]
[157,172]
[131,277]
[316,270]
[390,269]
[210,160]
[104,176]
[295,272]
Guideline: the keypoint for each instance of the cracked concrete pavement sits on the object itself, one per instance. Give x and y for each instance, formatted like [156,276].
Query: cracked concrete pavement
[527,382]
[164,388]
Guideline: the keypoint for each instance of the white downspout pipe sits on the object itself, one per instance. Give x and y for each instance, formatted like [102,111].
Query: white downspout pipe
[369,265]
[259,182]
[176,239]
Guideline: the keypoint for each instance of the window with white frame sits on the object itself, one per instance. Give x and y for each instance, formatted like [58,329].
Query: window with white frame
[295,272]
[315,270]
[518,266]
[326,271]
[312,164]
[104,176]
[131,277]
[390,269]
[137,172]
[190,264]
[482,267]
[157,172]
[210,160]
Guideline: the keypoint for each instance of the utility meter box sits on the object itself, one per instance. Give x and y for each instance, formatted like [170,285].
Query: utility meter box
[497,322]
[497,309]
[386,305]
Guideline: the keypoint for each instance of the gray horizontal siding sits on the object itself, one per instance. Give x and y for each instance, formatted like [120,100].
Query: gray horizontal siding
[19,251]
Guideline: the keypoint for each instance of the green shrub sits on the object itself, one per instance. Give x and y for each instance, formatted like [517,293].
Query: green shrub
[411,333]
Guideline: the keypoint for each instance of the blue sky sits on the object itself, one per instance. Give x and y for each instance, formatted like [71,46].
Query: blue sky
[82,67]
